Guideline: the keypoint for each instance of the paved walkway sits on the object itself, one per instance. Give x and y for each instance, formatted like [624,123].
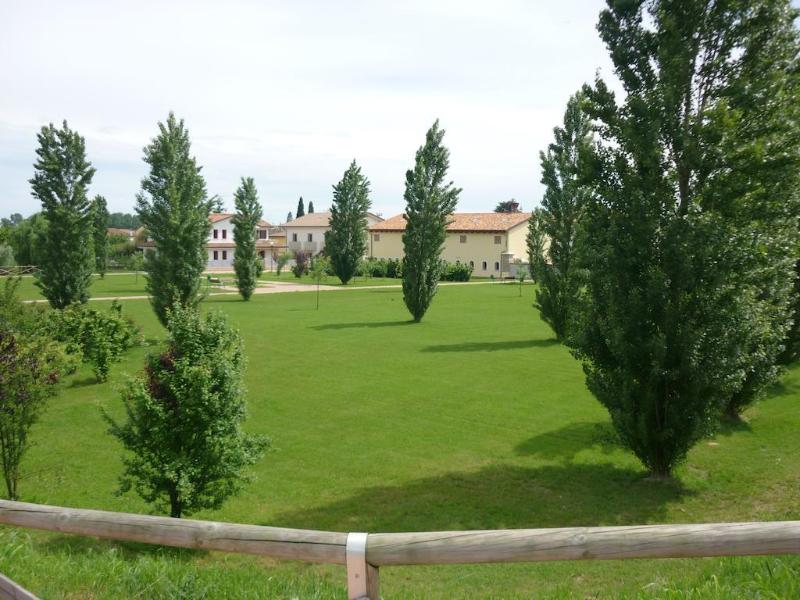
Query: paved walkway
[281,287]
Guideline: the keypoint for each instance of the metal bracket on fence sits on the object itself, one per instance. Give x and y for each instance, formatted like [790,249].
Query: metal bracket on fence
[362,578]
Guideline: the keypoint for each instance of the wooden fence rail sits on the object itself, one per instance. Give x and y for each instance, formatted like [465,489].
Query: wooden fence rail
[364,553]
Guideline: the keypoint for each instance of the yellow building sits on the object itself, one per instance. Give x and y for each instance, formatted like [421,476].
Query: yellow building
[489,242]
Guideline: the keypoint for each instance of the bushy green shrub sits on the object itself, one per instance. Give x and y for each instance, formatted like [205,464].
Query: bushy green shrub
[394,268]
[300,266]
[99,337]
[455,271]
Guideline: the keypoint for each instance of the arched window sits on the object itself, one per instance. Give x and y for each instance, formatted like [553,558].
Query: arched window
[471,264]
[496,266]
[483,265]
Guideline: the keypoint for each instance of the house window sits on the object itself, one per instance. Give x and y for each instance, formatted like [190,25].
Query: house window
[376,237]
[224,253]
[294,237]
[216,234]
[471,264]
[262,254]
[498,239]
[224,234]
[462,239]
[216,253]
[310,237]
[496,266]
[262,234]
[483,265]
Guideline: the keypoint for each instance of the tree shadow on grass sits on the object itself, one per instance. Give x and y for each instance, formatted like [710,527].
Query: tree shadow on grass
[84,382]
[491,346]
[566,442]
[498,497]
[364,324]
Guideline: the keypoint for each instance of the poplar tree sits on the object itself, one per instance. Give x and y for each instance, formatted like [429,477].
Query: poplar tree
[246,262]
[100,234]
[555,226]
[430,200]
[173,207]
[62,175]
[301,211]
[691,211]
[346,240]
[310,207]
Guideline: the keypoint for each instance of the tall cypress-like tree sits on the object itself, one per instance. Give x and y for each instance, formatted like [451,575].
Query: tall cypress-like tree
[301,211]
[100,234]
[173,207]
[346,240]
[310,207]
[61,180]
[555,226]
[246,263]
[683,224]
[429,202]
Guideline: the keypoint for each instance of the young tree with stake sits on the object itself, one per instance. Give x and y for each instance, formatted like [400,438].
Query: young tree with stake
[429,202]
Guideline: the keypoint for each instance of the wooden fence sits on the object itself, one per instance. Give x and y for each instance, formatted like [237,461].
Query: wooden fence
[363,553]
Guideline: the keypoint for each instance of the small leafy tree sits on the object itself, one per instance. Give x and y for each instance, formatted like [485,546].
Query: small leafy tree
[310,207]
[61,180]
[100,234]
[185,447]
[521,274]
[301,211]
[289,217]
[282,260]
[246,262]
[319,271]
[30,366]
[346,240]
[556,266]
[429,202]
[173,207]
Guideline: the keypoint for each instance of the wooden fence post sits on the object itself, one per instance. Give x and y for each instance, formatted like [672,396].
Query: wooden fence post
[362,577]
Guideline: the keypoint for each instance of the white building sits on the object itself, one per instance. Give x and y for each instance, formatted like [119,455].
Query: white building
[307,233]
[220,246]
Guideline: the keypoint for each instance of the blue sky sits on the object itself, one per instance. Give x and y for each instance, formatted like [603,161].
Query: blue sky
[290,92]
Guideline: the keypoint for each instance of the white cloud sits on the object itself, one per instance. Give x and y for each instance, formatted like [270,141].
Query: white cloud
[289,93]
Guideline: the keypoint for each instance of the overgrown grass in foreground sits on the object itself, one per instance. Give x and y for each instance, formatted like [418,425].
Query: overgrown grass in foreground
[474,418]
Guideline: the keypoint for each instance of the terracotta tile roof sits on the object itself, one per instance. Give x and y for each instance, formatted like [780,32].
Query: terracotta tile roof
[489,222]
[217,217]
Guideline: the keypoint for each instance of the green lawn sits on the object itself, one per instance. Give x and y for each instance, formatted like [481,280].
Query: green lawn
[111,286]
[473,419]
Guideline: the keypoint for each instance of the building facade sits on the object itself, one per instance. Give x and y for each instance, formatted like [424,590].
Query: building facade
[307,233]
[490,243]
[221,248]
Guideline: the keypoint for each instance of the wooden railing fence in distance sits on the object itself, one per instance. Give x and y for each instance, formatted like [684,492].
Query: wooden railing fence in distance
[363,554]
